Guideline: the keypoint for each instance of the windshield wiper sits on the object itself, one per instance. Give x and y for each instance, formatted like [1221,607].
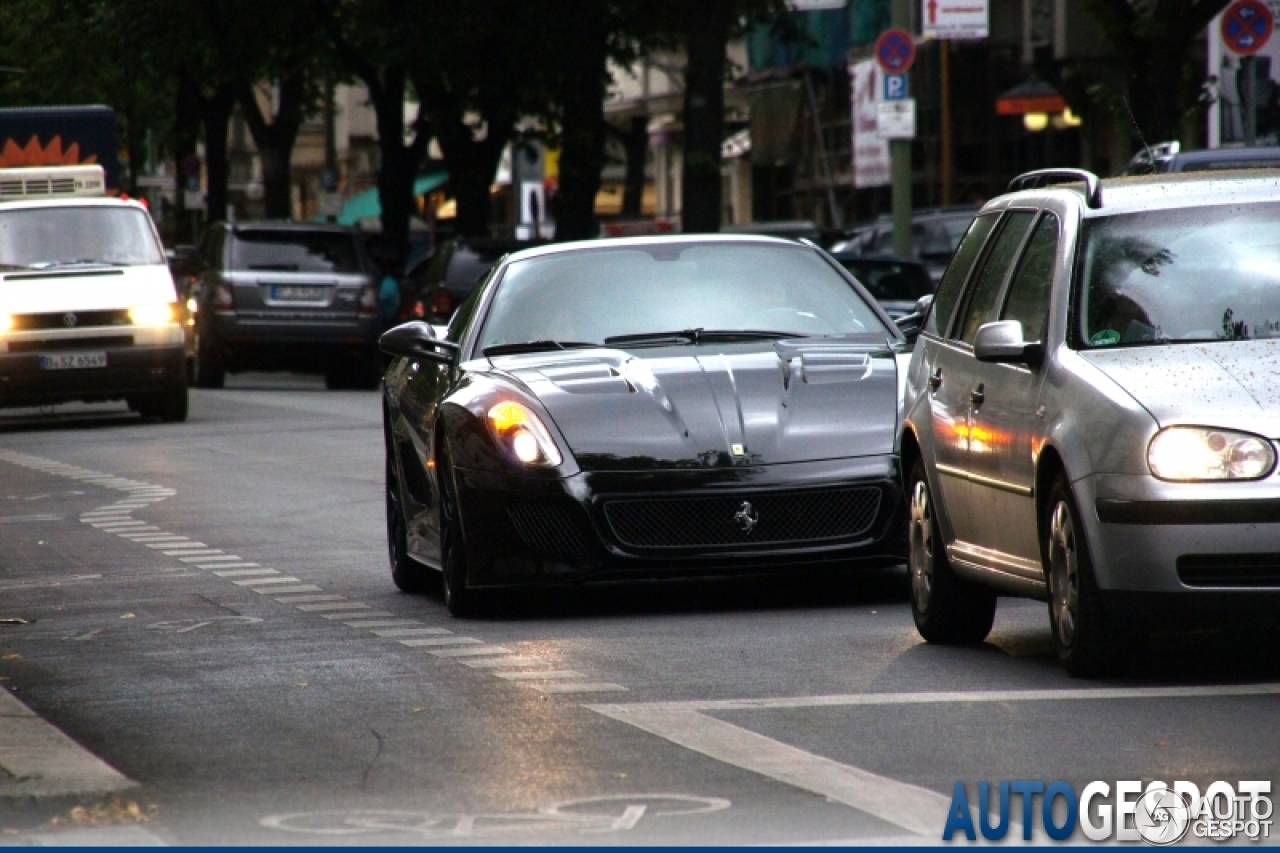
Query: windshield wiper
[698,336]
[536,346]
[274,267]
[78,262]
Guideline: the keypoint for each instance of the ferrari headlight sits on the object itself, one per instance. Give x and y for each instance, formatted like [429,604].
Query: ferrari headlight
[153,314]
[523,434]
[1200,453]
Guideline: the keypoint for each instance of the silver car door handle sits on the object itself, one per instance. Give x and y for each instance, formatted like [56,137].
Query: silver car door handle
[977,395]
[935,379]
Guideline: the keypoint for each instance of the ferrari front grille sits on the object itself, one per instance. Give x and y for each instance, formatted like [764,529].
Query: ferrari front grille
[548,529]
[744,520]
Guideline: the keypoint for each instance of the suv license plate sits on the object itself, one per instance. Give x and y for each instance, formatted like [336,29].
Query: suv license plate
[72,360]
[299,293]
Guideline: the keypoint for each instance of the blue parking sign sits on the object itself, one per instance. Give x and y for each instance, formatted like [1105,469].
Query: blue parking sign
[895,87]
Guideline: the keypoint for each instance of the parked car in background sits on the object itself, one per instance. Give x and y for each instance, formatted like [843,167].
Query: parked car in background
[1169,157]
[287,296]
[1092,416]
[896,282]
[436,286]
[88,310]
[644,407]
[935,233]
[185,266]
[795,229]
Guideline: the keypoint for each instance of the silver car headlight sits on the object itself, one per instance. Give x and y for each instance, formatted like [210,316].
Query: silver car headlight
[1185,453]
[523,434]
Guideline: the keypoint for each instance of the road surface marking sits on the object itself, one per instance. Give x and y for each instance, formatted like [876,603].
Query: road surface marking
[336,605]
[305,587]
[138,534]
[473,651]
[113,526]
[191,552]
[544,674]
[160,546]
[245,572]
[601,687]
[381,623]
[441,641]
[304,599]
[486,663]
[22,519]
[354,614]
[410,632]
[255,582]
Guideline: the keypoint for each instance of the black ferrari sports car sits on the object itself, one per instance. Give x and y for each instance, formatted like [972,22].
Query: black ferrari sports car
[645,407]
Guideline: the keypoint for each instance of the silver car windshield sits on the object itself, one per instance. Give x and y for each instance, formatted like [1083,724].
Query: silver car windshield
[1180,276]
[593,295]
[45,237]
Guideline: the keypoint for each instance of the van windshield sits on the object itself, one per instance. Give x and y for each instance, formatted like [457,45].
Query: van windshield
[45,237]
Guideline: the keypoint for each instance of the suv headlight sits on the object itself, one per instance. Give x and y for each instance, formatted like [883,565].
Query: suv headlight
[1200,453]
[153,314]
[523,434]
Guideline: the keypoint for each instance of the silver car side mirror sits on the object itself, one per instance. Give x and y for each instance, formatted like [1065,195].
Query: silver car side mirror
[1002,342]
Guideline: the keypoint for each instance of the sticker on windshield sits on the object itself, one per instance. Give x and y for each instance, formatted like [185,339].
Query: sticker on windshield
[1105,338]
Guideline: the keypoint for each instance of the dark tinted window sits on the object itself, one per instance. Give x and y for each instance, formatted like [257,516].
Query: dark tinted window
[890,280]
[944,303]
[982,306]
[1028,299]
[469,266]
[287,250]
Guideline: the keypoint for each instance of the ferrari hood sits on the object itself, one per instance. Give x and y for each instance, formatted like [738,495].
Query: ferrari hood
[761,403]
[1232,384]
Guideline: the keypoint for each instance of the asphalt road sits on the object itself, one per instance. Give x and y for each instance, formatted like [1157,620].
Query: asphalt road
[206,608]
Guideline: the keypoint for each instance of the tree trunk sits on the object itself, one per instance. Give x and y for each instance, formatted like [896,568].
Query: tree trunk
[186,131]
[707,38]
[216,115]
[399,162]
[636,144]
[471,163]
[583,131]
[275,141]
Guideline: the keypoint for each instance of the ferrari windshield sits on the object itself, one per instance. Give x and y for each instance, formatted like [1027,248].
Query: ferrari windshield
[44,237]
[1197,274]
[591,296]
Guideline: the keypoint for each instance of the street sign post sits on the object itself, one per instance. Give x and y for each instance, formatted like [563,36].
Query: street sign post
[1247,26]
[896,119]
[895,87]
[895,50]
[955,19]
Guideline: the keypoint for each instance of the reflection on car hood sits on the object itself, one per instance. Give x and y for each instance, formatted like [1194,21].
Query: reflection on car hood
[688,406]
[1232,384]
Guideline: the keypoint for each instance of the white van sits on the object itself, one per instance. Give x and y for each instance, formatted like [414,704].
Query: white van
[88,310]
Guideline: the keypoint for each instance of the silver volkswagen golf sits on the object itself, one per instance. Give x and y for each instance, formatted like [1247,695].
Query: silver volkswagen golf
[1092,413]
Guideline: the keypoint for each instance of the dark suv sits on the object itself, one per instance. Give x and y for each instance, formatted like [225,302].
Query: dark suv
[438,285]
[287,296]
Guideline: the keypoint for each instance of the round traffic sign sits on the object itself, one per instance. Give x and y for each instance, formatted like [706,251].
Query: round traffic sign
[895,50]
[1247,26]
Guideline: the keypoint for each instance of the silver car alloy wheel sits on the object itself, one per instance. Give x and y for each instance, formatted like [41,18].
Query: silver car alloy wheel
[1064,573]
[920,546]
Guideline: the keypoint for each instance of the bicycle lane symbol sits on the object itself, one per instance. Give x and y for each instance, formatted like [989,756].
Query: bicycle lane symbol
[589,815]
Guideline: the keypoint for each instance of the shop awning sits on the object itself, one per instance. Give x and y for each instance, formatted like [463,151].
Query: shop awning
[366,205]
[1034,96]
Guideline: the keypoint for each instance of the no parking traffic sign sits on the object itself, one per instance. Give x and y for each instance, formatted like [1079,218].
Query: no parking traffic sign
[1247,26]
[896,50]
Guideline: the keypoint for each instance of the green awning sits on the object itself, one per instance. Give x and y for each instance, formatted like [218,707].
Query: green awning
[367,206]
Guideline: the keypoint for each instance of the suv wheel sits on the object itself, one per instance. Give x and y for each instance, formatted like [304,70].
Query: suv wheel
[1083,637]
[947,608]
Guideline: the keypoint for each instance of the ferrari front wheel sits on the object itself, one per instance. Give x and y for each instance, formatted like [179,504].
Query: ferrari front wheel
[459,600]
[406,573]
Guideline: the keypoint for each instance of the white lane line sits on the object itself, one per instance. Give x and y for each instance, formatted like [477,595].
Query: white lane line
[599,687]
[473,651]
[302,587]
[911,807]
[113,526]
[381,623]
[411,632]
[159,546]
[229,562]
[326,608]
[137,533]
[205,558]
[139,536]
[22,519]
[305,599]
[191,552]
[264,582]
[105,515]
[539,675]
[352,614]
[1083,693]
[487,663]
[440,641]
[244,572]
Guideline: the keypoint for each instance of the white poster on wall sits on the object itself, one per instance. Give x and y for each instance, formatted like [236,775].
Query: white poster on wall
[1226,83]
[954,19]
[870,150]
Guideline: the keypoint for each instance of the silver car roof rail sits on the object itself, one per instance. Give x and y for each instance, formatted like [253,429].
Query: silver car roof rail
[1043,177]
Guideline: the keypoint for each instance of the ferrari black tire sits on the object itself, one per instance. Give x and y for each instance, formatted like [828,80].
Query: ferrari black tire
[1085,640]
[458,598]
[948,609]
[209,369]
[406,573]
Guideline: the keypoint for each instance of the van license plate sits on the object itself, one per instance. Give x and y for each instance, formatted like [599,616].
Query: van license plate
[298,292]
[72,360]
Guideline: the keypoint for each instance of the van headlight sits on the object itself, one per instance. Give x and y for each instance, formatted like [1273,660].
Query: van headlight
[153,314]
[6,322]
[523,434]
[1185,453]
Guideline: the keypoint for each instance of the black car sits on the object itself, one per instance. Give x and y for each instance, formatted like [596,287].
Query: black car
[935,233]
[897,283]
[287,296]
[1169,157]
[657,406]
[436,286]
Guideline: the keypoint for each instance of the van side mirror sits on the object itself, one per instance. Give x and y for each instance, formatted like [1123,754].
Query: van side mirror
[1002,342]
[416,340]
